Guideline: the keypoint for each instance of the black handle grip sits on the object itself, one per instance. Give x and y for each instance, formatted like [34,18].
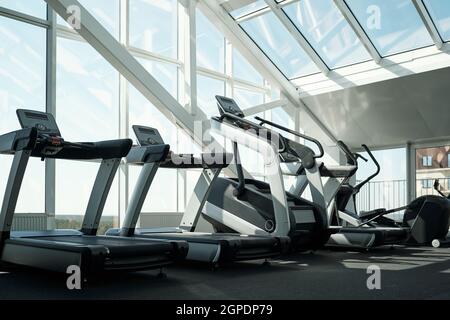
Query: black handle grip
[295,133]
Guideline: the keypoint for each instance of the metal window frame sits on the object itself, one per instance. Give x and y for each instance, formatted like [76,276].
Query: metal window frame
[429,23]
[358,29]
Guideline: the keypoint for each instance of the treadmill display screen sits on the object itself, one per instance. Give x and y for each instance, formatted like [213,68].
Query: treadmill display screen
[44,122]
[147,136]
[227,105]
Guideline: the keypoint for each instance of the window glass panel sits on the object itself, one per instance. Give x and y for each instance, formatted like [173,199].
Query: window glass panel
[247,98]
[165,73]
[87,96]
[328,32]
[210,45]
[277,43]
[162,196]
[154,26]
[245,10]
[143,112]
[440,12]
[32,8]
[243,70]
[74,182]
[22,85]
[393,26]
[207,89]
[388,188]
[105,11]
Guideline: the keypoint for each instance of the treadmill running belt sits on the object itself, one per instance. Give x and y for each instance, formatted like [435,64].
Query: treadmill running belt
[116,246]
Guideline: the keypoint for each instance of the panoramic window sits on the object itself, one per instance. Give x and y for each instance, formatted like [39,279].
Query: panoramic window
[440,12]
[243,70]
[247,98]
[210,45]
[276,42]
[393,26]
[388,188]
[165,73]
[22,85]
[87,97]
[154,26]
[207,89]
[328,32]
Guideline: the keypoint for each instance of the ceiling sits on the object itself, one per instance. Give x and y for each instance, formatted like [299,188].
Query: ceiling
[389,113]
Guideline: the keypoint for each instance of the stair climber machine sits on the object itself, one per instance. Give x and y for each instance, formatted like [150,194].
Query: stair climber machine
[250,206]
[425,221]
[56,250]
[213,248]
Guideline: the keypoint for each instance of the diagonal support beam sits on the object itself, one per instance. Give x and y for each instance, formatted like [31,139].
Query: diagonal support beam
[429,24]
[298,36]
[361,34]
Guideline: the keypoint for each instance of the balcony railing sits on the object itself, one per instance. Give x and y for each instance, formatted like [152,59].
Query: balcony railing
[393,194]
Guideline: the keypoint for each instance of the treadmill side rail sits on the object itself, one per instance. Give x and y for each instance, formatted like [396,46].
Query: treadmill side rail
[99,194]
[138,198]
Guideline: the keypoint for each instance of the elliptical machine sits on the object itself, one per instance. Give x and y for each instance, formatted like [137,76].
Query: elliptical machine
[426,220]
[248,206]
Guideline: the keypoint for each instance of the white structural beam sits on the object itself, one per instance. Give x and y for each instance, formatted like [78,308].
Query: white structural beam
[119,57]
[188,45]
[241,41]
[265,107]
[429,24]
[298,36]
[354,24]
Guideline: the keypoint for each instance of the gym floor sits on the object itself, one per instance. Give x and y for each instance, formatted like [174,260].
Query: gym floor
[406,273]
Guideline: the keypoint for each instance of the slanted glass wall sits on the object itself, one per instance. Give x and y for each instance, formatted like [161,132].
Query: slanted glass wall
[91,97]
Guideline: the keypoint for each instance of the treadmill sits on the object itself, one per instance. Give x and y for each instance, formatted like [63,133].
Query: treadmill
[56,250]
[213,248]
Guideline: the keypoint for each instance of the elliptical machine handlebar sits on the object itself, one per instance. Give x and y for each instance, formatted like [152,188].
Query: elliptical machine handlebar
[295,133]
[436,187]
[351,157]
[282,147]
[362,183]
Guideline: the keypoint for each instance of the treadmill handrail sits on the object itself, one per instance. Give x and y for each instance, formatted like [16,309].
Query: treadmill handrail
[295,133]
[24,139]
[350,155]
[282,147]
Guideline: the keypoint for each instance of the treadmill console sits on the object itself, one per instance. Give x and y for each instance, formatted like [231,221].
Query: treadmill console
[44,122]
[147,136]
[228,105]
